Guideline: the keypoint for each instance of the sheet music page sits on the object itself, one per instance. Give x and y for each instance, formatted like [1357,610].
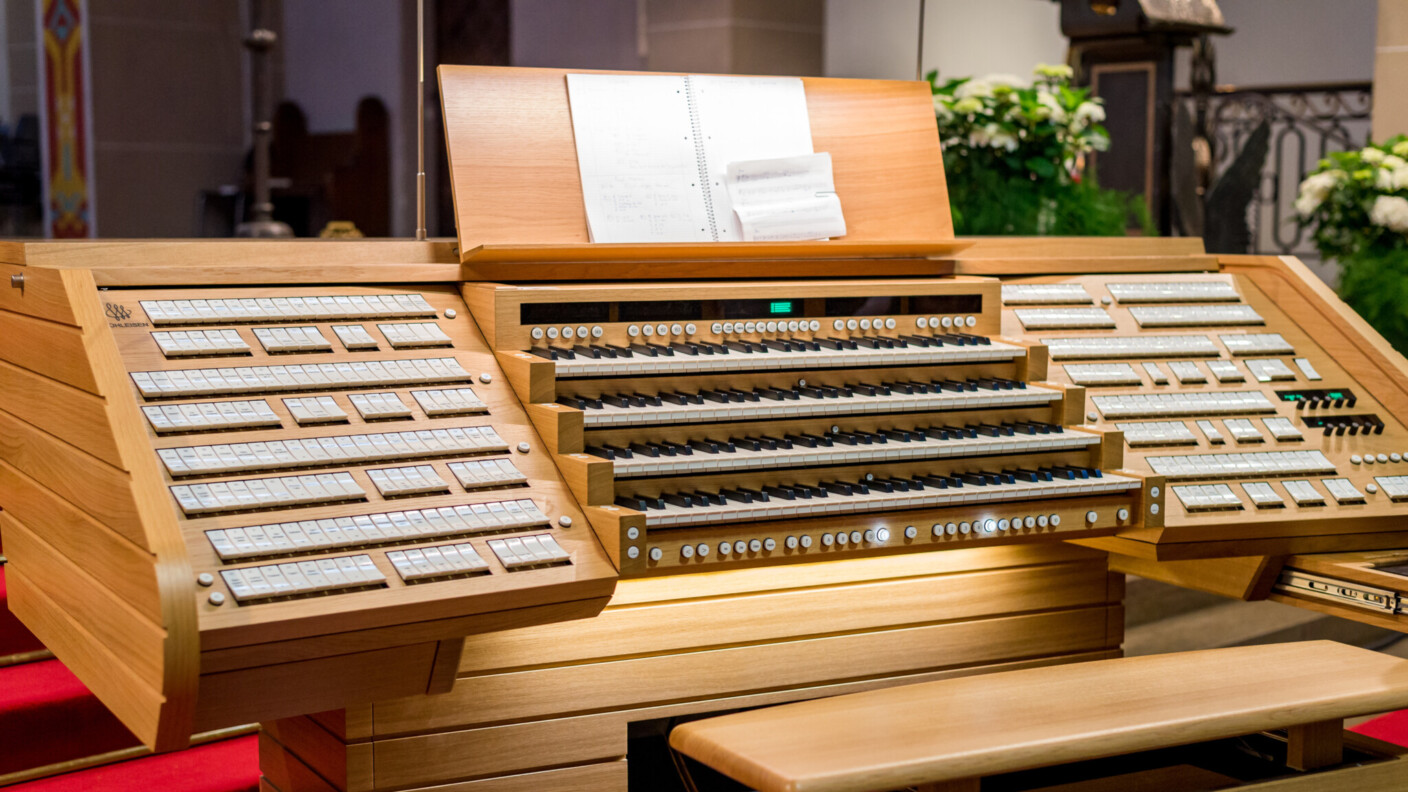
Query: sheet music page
[747,118]
[637,158]
[786,199]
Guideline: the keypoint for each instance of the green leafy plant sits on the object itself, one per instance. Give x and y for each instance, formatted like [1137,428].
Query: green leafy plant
[1014,156]
[1357,203]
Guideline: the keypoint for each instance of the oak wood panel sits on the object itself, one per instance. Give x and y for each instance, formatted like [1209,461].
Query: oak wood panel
[890,738]
[44,295]
[872,259]
[286,772]
[1244,578]
[445,665]
[289,689]
[126,569]
[313,646]
[344,766]
[99,489]
[711,673]
[68,413]
[157,520]
[451,756]
[690,625]
[135,640]
[887,163]
[122,691]
[601,777]
[49,348]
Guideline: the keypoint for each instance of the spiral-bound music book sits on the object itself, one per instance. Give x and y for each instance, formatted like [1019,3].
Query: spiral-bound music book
[654,150]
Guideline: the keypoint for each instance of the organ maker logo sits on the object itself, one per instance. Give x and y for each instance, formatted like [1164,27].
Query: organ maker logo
[119,314]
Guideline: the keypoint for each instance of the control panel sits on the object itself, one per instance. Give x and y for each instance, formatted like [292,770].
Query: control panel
[744,424]
[1267,443]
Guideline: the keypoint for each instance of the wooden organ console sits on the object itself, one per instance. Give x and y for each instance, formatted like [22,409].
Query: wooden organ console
[581,491]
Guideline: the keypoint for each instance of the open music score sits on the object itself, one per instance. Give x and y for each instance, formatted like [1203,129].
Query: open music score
[784,422]
[1268,444]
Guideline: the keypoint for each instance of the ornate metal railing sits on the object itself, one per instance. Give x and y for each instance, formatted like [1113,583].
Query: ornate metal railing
[1307,121]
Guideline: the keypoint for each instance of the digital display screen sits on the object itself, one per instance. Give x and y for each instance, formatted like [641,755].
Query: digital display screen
[780,308]
[545,313]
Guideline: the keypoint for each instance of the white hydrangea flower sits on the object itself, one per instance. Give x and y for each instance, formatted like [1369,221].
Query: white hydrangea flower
[1401,148]
[941,109]
[1372,156]
[1391,212]
[1059,70]
[1088,113]
[980,89]
[1400,178]
[968,105]
[992,135]
[1098,142]
[1393,162]
[1054,110]
[1315,189]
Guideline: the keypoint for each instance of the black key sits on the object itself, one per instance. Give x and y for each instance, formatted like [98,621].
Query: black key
[937,482]
[561,353]
[920,341]
[706,446]
[844,487]
[743,347]
[740,395]
[778,344]
[779,442]
[725,446]
[590,352]
[717,396]
[543,352]
[645,449]
[647,400]
[640,502]
[682,499]
[676,449]
[661,349]
[685,349]
[580,402]
[645,350]
[620,352]
[977,479]
[805,441]
[784,493]
[617,400]
[709,498]
[604,453]
[736,495]
[881,485]
[762,443]
[758,495]
[902,435]
[747,443]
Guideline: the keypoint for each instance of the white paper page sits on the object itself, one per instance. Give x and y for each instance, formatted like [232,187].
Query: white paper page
[636,155]
[747,118]
[791,198]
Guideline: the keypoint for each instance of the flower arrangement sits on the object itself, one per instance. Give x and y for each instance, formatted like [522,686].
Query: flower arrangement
[1357,202]
[1014,155]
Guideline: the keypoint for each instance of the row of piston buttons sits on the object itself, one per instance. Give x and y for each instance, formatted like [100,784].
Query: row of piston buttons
[1369,459]
[993,525]
[567,331]
[742,547]
[770,326]
[937,322]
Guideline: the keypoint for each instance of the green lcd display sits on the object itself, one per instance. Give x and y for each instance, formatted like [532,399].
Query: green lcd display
[780,307]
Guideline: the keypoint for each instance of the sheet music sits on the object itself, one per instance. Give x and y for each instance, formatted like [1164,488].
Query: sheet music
[653,150]
[636,155]
[791,198]
[748,118]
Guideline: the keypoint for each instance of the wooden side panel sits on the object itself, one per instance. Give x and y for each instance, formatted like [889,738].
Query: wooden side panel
[43,295]
[48,348]
[656,680]
[123,566]
[68,413]
[120,689]
[290,689]
[448,756]
[1244,578]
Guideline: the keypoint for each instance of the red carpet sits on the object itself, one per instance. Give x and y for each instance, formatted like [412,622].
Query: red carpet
[14,638]
[1392,727]
[226,766]
[48,716]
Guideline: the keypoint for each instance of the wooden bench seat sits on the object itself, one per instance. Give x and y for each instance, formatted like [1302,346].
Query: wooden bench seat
[949,734]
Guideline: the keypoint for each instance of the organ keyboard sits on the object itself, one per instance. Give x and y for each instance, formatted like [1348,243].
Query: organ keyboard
[783,422]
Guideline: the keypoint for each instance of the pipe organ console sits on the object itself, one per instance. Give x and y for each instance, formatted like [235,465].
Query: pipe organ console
[579,491]
[777,422]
